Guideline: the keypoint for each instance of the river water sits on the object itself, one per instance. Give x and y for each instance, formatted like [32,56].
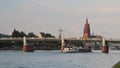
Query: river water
[56,59]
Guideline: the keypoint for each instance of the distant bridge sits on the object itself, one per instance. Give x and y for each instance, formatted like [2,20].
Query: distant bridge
[105,43]
[57,39]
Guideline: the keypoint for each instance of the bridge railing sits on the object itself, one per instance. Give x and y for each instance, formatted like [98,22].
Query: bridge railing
[21,38]
[36,38]
[11,38]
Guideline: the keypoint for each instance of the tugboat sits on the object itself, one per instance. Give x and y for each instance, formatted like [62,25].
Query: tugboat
[73,49]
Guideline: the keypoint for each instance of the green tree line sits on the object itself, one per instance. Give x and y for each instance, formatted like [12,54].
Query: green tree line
[16,33]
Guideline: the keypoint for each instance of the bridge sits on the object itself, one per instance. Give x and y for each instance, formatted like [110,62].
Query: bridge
[33,39]
[57,39]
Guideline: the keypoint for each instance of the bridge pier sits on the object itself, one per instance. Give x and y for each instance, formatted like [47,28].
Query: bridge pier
[105,48]
[27,47]
[62,45]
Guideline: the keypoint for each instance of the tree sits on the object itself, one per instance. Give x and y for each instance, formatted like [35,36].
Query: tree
[31,34]
[0,35]
[22,34]
[47,35]
[15,33]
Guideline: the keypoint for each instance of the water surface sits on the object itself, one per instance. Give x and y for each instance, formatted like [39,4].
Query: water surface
[56,59]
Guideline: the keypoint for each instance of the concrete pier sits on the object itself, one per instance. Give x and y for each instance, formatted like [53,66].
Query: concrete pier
[27,47]
[62,48]
[62,44]
[105,48]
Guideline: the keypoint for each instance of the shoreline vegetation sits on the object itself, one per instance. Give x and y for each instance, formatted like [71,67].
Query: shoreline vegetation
[36,47]
[9,45]
[46,45]
[117,65]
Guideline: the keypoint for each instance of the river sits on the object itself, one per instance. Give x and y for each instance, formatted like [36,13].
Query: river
[56,59]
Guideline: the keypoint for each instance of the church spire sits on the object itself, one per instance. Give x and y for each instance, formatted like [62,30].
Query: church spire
[86,29]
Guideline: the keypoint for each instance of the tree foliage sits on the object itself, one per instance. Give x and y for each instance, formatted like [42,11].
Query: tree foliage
[47,35]
[31,34]
[22,34]
[16,33]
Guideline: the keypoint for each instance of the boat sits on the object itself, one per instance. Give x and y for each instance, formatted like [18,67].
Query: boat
[74,49]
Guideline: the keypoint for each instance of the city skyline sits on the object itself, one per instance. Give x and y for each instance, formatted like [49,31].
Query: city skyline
[70,15]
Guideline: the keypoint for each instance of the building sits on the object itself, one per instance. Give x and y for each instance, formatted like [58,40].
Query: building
[86,33]
[45,35]
[41,35]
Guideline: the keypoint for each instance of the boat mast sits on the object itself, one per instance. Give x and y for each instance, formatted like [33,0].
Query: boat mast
[60,33]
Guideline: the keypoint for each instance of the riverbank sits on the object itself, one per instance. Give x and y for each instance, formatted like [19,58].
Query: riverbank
[117,65]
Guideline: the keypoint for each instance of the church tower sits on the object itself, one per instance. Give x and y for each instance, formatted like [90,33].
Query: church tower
[86,30]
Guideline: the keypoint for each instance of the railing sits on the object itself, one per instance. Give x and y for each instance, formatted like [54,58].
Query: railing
[10,38]
[21,38]
[36,38]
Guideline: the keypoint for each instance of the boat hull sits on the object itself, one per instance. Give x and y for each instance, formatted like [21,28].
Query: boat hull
[77,51]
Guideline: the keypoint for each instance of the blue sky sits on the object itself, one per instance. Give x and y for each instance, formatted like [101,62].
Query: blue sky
[51,15]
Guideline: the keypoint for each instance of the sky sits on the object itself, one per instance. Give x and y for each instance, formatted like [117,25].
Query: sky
[69,15]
